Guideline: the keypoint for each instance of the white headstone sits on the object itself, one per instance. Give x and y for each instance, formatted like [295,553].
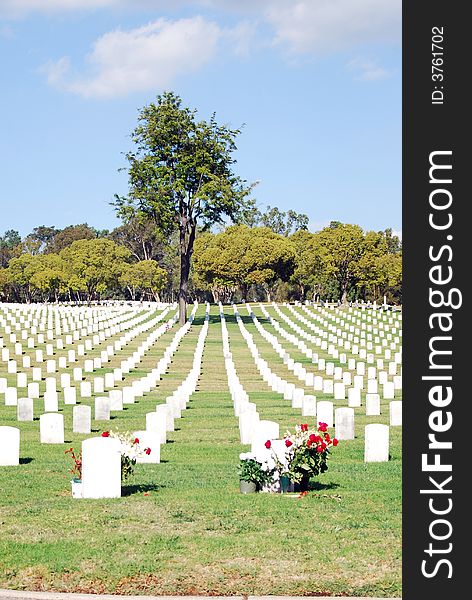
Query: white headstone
[25,409]
[262,432]
[51,428]
[11,396]
[102,408]
[70,395]
[33,389]
[372,405]
[309,406]
[247,424]
[324,412]
[82,419]
[9,446]
[65,380]
[376,447]
[395,413]
[166,412]
[51,402]
[116,399]
[101,467]
[344,429]
[21,380]
[85,389]
[148,440]
[128,395]
[156,422]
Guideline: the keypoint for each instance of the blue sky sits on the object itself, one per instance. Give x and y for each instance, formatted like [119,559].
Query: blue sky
[317,84]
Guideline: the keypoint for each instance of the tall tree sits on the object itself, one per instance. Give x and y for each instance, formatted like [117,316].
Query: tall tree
[339,248]
[181,175]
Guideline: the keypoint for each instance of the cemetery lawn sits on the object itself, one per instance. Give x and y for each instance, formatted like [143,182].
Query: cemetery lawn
[182,527]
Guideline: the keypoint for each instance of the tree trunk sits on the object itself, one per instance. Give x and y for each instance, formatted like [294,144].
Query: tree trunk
[186,250]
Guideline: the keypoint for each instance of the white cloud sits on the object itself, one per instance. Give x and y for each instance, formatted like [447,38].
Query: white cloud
[145,58]
[20,8]
[367,70]
[241,38]
[324,26]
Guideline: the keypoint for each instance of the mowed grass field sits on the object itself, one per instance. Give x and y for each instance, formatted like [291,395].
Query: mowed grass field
[182,527]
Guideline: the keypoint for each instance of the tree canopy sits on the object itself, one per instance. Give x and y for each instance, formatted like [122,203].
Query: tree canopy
[181,175]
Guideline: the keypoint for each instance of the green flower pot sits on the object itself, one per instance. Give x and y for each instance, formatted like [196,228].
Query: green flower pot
[247,487]
[284,484]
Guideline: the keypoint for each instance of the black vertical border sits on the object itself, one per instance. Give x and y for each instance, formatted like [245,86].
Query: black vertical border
[427,128]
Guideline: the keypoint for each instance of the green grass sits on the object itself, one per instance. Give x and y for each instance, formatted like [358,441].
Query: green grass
[182,527]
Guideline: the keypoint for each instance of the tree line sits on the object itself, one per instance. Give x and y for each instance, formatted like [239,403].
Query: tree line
[191,230]
[80,263]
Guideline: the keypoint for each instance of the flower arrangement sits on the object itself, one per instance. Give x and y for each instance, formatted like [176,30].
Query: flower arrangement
[130,451]
[252,470]
[307,451]
[76,469]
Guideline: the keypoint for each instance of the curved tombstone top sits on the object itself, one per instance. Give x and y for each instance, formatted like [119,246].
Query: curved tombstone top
[9,446]
[101,467]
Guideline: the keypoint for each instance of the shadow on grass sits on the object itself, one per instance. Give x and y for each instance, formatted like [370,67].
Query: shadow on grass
[129,490]
[25,461]
[316,486]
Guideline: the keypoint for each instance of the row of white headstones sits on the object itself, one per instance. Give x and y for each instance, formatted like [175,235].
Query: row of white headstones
[256,432]
[99,475]
[287,392]
[328,385]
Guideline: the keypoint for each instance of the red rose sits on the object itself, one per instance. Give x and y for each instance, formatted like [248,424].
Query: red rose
[288,443]
[148,451]
[106,434]
[312,437]
[335,442]
[304,427]
[136,441]
[268,444]
[327,437]
[308,444]
[319,448]
[322,426]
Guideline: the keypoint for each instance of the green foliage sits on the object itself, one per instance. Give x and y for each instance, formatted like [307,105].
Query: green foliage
[241,256]
[180,516]
[65,237]
[249,469]
[181,174]
[10,246]
[145,277]
[94,265]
